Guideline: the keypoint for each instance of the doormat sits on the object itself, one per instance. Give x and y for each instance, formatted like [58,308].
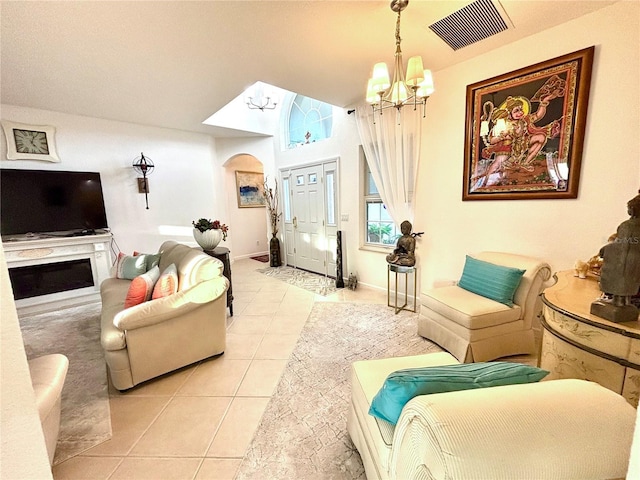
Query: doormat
[261,258]
[301,278]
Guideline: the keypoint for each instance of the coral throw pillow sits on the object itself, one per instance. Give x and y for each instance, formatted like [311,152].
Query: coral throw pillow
[141,288]
[167,284]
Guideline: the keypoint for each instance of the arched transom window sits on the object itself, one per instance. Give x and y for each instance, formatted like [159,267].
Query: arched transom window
[309,121]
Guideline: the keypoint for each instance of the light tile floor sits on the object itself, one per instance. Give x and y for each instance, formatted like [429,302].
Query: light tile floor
[196,423]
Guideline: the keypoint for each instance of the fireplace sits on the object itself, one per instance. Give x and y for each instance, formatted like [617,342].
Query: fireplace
[52,273]
[47,278]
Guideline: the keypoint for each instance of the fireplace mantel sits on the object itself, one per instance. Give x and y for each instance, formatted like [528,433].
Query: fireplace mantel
[47,251]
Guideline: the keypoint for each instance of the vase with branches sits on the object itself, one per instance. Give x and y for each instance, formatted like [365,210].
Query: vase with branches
[271,199]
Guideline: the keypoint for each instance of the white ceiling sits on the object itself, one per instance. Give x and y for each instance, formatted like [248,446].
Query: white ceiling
[174,63]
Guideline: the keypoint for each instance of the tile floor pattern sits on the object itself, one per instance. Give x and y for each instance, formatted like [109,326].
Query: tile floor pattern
[197,423]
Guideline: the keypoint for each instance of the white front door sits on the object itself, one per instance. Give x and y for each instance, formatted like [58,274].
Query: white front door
[310,217]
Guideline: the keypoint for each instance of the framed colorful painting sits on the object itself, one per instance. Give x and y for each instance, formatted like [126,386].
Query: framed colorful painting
[525,131]
[250,189]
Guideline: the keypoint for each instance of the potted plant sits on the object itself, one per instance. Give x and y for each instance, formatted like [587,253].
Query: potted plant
[208,234]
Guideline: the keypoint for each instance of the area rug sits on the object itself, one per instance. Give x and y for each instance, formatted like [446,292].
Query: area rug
[312,282]
[75,332]
[261,258]
[303,433]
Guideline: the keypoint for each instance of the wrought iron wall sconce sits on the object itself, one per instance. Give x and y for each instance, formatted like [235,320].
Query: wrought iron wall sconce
[144,166]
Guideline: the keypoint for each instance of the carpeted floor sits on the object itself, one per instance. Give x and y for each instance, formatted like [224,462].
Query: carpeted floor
[303,433]
[75,332]
[261,258]
[300,278]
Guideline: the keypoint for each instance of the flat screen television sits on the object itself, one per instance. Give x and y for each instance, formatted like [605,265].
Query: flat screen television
[50,201]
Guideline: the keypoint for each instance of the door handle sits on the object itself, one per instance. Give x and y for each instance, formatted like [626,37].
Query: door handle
[295,222]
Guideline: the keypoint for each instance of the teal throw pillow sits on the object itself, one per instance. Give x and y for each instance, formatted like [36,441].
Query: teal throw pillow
[151,259]
[129,267]
[491,281]
[402,385]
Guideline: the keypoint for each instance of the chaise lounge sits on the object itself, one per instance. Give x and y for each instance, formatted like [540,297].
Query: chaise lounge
[492,314]
[556,429]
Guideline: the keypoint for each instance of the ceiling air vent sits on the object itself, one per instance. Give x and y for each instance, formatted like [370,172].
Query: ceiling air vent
[475,22]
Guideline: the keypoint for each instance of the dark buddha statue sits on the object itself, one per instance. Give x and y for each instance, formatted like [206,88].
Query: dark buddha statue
[620,272]
[404,253]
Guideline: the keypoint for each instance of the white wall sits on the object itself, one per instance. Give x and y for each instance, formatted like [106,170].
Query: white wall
[181,185]
[559,231]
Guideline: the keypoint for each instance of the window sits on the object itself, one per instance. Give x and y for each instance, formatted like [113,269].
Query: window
[287,200]
[379,227]
[331,197]
[309,121]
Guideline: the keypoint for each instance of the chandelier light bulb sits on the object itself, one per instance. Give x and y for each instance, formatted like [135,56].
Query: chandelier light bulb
[426,88]
[372,95]
[415,71]
[380,77]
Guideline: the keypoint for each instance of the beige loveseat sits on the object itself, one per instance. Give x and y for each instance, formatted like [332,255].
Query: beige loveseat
[162,335]
[554,430]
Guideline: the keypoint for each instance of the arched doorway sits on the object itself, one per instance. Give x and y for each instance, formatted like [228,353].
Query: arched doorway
[247,226]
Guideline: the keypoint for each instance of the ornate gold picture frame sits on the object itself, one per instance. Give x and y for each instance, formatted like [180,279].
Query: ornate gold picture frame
[525,131]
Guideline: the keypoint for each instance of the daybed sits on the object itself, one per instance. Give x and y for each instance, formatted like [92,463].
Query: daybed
[158,336]
[556,429]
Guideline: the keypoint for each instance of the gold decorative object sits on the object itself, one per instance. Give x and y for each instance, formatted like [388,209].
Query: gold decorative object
[580,269]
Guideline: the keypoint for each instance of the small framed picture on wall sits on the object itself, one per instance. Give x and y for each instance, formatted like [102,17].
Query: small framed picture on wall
[250,189]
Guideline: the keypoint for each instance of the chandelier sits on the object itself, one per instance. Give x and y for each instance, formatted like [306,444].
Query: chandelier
[260,98]
[412,89]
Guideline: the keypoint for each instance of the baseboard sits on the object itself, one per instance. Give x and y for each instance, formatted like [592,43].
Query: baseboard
[249,255]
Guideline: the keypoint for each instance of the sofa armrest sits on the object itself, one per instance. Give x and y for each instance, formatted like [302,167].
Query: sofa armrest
[162,309]
[547,430]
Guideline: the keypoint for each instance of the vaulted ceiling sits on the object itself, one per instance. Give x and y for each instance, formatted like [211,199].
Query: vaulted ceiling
[174,63]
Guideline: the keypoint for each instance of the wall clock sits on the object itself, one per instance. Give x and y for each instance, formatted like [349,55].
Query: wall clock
[30,142]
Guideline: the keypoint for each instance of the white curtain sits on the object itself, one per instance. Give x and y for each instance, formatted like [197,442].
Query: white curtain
[392,148]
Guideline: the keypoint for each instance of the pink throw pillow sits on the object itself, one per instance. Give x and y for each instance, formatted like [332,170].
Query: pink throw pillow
[167,284]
